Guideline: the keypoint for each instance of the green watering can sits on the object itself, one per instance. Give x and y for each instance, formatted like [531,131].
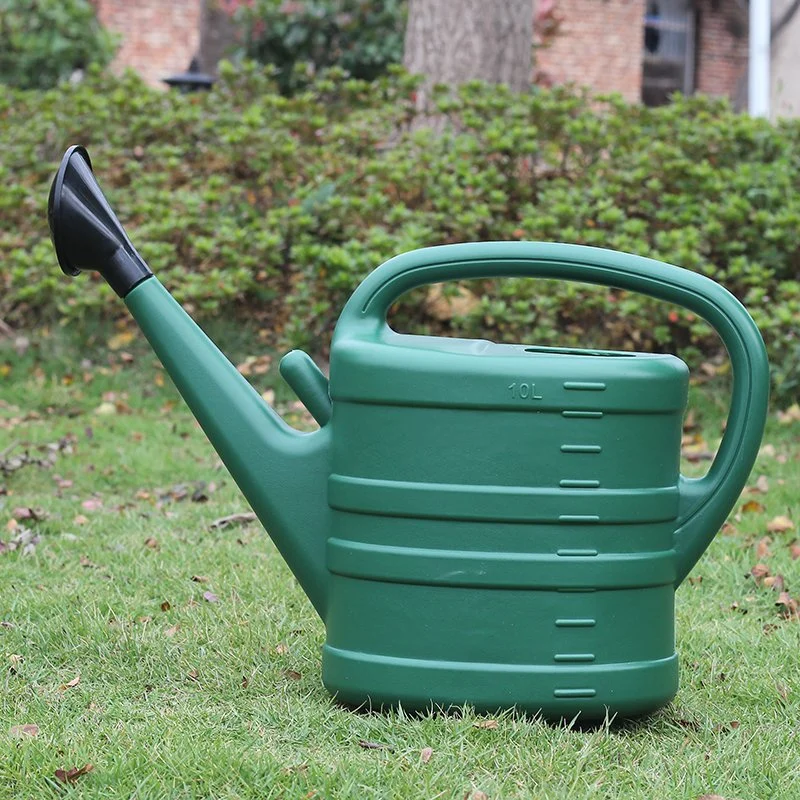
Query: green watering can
[475,523]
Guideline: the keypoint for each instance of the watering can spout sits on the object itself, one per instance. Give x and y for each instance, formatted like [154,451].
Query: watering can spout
[281,471]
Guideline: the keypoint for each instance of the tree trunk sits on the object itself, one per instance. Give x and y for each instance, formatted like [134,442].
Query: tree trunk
[454,41]
[217,36]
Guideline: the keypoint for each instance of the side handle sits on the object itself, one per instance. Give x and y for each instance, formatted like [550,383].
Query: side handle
[704,502]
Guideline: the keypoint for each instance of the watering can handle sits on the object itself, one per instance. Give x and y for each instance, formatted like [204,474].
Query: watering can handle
[704,502]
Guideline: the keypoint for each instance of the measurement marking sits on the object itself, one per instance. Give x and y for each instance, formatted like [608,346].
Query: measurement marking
[583,414]
[579,518]
[576,623]
[574,693]
[565,552]
[573,657]
[581,448]
[585,386]
[575,484]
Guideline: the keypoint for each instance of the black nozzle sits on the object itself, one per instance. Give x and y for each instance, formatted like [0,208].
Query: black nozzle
[85,231]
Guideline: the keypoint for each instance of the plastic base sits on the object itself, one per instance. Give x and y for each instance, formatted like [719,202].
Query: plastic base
[591,692]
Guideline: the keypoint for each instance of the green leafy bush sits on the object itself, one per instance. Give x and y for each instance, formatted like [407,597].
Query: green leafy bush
[45,41]
[301,37]
[274,208]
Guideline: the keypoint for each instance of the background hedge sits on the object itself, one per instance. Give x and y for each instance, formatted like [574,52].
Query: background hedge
[271,207]
[364,37]
[44,41]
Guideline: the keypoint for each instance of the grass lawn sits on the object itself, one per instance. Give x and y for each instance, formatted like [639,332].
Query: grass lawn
[183,661]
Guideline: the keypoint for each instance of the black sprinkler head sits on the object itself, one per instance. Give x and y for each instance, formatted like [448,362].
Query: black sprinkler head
[85,231]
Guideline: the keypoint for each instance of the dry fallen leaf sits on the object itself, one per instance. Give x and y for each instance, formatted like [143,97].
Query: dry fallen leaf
[70,684]
[24,539]
[486,724]
[120,340]
[730,530]
[193,675]
[255,365]
[792,414]
[477,794]
[292,674]
[794,550]
[710,797]
[210,597]
[151,542]
[373,745]
[166,605]
[780,525]
[762,548]
[200,578]
[21,731]
[752,506]
[761,486]
[171,631]
[769,628]
[92,504]
[787,606]
[425,754]
[72,775]
[759,572]
[775,582]
[281,649]
[303,768]
[80,520]
[33,514]
[242,518]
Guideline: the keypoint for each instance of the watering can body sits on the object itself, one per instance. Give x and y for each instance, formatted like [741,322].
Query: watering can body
[476,523]
[509,523]
[502,527]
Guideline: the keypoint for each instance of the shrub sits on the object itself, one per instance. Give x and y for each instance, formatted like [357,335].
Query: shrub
[246,201]
[299,38]
[45,41]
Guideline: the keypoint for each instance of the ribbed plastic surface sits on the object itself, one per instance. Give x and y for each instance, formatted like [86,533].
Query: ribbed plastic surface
[502,527]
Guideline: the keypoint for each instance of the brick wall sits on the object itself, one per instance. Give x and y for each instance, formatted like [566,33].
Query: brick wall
[158,37]
[598,44]
[721,51]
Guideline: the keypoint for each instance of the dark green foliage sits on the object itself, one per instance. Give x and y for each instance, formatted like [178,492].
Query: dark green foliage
[245,201]
[300,38]
[44,41]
